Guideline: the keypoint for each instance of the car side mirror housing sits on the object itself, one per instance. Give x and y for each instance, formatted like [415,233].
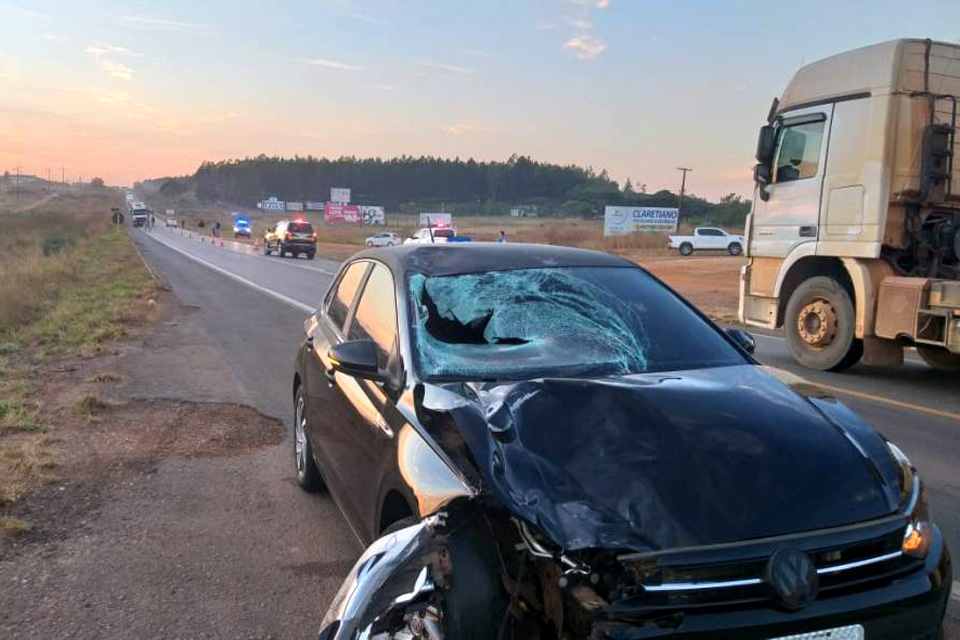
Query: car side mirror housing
[762,175]
[357,358]
[766,144]
[743,339]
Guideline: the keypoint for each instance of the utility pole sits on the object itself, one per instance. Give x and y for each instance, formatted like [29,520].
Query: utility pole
[16,186]
[63,176]
[683,189]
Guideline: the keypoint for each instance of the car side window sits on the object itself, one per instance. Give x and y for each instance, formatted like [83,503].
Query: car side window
[798,153]
[376,316]
[346,291]
[711,232]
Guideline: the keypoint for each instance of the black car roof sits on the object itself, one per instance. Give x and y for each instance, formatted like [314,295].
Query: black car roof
[445,259]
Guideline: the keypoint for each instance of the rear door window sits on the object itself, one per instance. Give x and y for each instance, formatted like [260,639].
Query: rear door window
[346,291]
[301,227]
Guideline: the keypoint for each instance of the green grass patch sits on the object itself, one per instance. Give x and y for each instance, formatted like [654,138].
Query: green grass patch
[14,526]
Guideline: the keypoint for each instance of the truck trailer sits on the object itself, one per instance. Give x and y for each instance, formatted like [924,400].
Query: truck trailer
[853,239]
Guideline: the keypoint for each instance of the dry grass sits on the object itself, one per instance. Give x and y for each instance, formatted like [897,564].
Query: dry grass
[69,284]
[11,526]
[104,377]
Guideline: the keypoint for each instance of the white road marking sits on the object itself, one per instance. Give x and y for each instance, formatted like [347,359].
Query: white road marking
[955,592]
[296,304]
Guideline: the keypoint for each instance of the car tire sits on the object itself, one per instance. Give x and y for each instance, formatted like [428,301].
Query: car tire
[369,244]
[939,358]
[686,249]
[311,255]
[308,475]
[819,326]
[735,249]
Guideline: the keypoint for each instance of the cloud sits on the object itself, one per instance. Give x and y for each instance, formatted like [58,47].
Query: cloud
[448,68]
[117,70]
[384,87]
[586,47]
[148,23]
[482,54]
[356,15]
[109,49]
[461,128]
[52,37]
[580,23]
[333,64]
[599,4]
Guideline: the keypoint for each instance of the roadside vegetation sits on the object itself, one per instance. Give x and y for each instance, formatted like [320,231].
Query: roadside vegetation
[70,284]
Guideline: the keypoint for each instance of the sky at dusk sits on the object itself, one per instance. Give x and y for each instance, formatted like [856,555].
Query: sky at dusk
[128,90]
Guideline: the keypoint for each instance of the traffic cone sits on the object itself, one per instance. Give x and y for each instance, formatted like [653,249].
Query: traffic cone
[256,244]
[221,243]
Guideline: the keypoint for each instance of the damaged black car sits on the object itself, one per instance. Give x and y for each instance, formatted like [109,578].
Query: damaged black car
[543,442]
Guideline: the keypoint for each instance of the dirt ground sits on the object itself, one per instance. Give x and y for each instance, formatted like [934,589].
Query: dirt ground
[709,282]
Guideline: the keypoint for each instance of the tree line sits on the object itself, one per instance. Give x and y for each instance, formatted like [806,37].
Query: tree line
[411,184]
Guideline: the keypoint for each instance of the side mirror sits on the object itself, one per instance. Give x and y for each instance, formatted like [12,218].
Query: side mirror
[357,358]
[766,143]
[762,173]
[743,339]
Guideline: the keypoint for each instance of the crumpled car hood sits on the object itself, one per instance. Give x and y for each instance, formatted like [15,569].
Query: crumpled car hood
[657,461]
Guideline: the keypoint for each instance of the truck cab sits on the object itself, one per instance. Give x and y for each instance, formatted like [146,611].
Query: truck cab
[854,235]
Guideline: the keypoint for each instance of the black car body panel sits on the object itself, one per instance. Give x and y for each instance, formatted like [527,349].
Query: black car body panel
[657,461]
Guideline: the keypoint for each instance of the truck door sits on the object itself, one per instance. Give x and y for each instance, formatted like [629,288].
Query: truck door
[791,214]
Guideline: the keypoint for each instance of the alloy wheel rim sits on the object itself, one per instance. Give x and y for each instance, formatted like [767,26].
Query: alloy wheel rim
[817,323]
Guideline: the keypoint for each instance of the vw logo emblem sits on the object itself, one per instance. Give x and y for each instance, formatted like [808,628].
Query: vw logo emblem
[792,577]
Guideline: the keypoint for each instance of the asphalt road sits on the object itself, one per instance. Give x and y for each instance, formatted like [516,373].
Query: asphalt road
[914,406]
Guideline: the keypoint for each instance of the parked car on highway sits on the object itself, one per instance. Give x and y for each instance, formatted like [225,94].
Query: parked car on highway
[171,222]
[241,228]
[385,239]
[706,239]
[436,235]
[548,442]
[291,236]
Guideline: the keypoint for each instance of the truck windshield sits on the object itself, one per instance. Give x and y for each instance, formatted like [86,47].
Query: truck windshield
[554,322]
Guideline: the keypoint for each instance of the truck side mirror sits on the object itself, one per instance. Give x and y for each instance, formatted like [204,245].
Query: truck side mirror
[766,144]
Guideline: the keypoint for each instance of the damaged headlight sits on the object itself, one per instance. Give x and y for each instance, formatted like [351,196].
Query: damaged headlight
[913,501]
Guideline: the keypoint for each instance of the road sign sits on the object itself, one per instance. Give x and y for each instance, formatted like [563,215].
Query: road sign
[339,195]
[620,220]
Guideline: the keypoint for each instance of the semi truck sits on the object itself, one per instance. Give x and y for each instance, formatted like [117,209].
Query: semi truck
[853,239]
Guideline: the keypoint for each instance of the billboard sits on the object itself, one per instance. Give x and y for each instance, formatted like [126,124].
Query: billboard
[340,195]
[620,220]
[313,205]
[271,204]
[294,206]
[372,215]
[341,214]
[433,219]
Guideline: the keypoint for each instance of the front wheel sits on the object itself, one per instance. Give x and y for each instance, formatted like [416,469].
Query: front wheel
[819,326]
[939,358]
[735,249]
[308,475]
[369,244]
[686,249]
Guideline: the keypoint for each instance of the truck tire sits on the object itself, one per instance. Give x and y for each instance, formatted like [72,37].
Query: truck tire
[820,326]
[735,249]
[939,358]
[686,249]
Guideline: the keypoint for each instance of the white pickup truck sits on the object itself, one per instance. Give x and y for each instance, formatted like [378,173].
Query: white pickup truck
[707,239]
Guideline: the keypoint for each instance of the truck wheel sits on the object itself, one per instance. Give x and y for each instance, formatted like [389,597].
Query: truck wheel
[686,249]
[939,358]
[819,326]
[734,249]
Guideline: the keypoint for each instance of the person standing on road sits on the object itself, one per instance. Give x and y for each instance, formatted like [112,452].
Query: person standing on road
[503,236]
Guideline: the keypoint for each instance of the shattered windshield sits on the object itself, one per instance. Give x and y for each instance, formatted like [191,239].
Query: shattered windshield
[553,322]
